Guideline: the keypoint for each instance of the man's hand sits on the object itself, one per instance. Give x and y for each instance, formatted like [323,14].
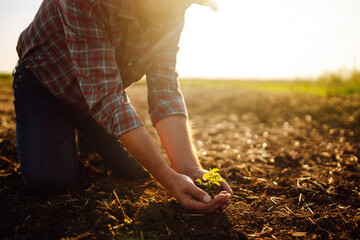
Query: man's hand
[175,137]
[197,173]
[178,185]
[193,198]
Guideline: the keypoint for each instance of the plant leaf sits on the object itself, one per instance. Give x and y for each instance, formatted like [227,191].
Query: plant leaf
[215,175]
[205,176]
[216,183]
[198,181]
[214,170]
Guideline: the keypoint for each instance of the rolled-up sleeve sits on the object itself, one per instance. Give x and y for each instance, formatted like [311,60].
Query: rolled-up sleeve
[164,95]
[94,62]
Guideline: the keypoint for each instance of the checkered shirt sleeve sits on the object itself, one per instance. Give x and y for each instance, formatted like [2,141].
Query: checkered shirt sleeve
[97,72]
[164,95]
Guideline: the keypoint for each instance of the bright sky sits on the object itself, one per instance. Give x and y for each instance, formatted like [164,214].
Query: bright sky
[245,39]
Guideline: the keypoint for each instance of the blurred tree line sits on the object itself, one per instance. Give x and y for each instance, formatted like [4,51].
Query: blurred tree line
[341,82]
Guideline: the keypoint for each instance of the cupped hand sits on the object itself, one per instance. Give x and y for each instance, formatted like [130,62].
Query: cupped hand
[193,198]
[198,173]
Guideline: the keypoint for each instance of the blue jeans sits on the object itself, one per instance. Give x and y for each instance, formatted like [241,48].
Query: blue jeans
[45,135]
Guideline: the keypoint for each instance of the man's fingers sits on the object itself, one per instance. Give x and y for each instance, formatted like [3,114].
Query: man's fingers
[220,200]
[226,187]
[193,198]
[205,203]
[199,194]
[215,204]
[225,205]
[197,206]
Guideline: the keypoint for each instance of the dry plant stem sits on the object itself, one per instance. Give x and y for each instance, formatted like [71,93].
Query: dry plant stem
[122,209]
[342,216]
[6,160]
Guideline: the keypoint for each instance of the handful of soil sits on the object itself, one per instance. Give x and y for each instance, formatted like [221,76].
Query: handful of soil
[210,182]
[213,190]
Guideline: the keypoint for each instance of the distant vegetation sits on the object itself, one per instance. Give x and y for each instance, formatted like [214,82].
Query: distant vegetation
[5,75]
[341,83]
[338,83]
[5,78]
[310,87]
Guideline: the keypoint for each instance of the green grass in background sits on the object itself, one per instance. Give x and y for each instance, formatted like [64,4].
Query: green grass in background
[341,84]
[327,84]
[5,75]
[5,78]
[309,87]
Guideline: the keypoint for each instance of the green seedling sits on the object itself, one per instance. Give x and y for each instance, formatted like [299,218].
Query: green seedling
[210,179]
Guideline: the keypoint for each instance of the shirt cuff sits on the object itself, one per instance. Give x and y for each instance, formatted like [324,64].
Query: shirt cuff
[124,120]
[167,108]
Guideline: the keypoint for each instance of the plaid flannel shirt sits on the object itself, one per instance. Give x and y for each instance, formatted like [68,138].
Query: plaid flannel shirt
[86,52]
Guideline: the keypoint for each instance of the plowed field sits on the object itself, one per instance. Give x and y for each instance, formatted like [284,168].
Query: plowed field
[291,159]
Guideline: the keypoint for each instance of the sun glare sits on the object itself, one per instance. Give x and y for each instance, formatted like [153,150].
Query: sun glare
[245,39]
[269,39]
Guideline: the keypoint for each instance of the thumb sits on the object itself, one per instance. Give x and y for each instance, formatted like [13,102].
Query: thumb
[199,194]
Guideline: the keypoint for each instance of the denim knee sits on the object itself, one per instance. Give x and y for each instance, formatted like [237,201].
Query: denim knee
[45,135]
[45,183]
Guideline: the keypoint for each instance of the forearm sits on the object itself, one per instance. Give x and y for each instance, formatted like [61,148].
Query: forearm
[139,143]
[141,146]
[174,133]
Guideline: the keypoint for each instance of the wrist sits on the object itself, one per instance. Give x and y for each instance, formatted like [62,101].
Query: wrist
[187,164]
[164,174]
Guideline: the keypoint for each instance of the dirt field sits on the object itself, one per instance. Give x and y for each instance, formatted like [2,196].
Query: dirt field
[291,159]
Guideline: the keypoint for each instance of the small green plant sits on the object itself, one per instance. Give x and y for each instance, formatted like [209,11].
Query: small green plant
[210,179]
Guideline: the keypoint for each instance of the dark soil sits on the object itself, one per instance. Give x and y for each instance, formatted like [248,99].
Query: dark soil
[291,159]
[213,190]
